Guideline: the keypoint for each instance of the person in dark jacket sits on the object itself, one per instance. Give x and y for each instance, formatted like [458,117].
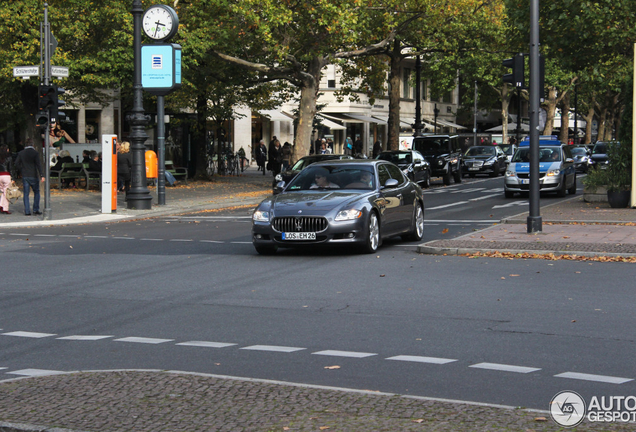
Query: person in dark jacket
[377,149]
[261,156]
[276,158]
[124,166]
[28,161]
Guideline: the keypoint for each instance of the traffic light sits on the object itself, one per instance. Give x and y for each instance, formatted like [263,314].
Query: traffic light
[58,115]
[515,78]
[47,99]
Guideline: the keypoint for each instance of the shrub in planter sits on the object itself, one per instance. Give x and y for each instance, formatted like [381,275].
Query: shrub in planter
[617,177]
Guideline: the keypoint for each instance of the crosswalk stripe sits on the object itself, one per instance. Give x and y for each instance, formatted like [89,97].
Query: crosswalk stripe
[36,372]
[85,337]
[29,334]
[596,378]
[421,359]
[273,348]
[336,353]
[143,340]
[206,344]
[504,367]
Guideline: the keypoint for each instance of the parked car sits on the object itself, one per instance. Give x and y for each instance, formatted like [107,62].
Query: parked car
[599,155]
[489,160]
[581,157]
[412,164]
[340,202]
[444,155]
[509,150]
[556,169]
[302,163]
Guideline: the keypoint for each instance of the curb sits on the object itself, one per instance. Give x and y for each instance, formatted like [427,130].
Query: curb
[433,250]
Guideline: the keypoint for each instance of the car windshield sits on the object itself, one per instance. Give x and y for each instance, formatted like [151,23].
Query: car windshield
[307,160]
[432,146]
[600,148]
[396,158]
[481,151]
[321,177]
[579,151]
[507,148]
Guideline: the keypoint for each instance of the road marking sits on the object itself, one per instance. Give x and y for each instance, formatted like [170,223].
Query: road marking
[69,235]
[272,348]
[18,234]
[124,238]
[206,344]
[512,204]
[469,190]
[44,235]
[484,197]
[3,368]
[448,205]
[104,237]
[143,340]
[211,241]
[214,217]
[438,221]
[240,242]
[151,239]
[29,334]
[85,337]
[504,367]
[420,359]
[596,378]
[36,372]
[181,240]
[336,353]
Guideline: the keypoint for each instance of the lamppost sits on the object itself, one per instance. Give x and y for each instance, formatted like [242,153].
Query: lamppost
[139,197]
[533,222]
[435,112]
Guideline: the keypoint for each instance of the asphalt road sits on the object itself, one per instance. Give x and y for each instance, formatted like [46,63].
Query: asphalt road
[189,293]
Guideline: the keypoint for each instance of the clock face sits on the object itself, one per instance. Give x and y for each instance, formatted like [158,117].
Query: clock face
[160,22]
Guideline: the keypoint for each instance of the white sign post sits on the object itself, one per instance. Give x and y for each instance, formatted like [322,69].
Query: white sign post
[109,173]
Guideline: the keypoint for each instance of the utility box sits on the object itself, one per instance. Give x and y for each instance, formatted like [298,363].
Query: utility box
[109,173]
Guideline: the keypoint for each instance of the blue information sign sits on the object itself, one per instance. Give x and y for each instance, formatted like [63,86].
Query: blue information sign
[160,68]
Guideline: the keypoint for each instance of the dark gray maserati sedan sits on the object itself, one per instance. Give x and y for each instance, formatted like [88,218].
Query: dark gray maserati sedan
[345,202]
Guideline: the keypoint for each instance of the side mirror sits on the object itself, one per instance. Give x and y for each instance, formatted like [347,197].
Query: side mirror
[390,183]
[279,187]
[569,160]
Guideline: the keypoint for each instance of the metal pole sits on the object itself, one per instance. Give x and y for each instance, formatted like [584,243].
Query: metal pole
[475,120]
[417,126]
[534,223]
[633,192]
[48,213]
[139,197]
[161,149]
[518,131]
[576,113]
[435,112]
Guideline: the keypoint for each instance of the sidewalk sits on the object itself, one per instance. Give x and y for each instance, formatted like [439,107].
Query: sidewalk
[100,401]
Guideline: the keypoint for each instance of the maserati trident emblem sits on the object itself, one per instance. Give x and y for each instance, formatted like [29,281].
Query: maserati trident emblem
[299,224]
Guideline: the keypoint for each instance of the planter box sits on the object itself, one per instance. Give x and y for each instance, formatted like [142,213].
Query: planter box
[599,195]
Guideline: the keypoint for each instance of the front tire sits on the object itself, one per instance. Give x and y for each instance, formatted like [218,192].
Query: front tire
[417,227]
[509,194]
[427,181]
[447,178]
[572,190]
[457,175]
[372,241]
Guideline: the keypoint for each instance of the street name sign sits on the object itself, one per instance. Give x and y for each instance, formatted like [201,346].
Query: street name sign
[26,71]
[59,71]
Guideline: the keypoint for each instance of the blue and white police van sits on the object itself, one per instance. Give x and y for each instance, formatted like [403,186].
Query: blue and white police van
[556,168]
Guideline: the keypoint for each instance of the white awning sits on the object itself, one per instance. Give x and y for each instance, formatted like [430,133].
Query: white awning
[366,119]
[331,125]
[351,118]
[274,115]
[424,124]
[447,124]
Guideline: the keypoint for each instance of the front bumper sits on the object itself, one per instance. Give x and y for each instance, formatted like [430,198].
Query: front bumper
[336,232]
[522,184]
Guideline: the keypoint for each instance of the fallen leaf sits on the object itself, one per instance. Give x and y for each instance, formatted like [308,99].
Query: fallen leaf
[418,421]
[540,419]
[324,427]
[514,275]
[445,230]
[71,247]
[503,277]
[332,367]
[381,275]
[573,321]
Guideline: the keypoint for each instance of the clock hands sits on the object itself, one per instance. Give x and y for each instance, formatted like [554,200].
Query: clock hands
[157,28]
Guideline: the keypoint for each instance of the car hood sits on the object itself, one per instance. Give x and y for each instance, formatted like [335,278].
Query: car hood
[312,202]
[524,167]
[478,158]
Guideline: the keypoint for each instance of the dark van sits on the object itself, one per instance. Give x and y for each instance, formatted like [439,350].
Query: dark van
[444,155]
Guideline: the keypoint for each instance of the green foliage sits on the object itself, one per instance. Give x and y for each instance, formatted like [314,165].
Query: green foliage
[618,174]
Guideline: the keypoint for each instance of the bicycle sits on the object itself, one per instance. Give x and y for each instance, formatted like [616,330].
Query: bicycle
[221,165]
[211,161]
[231,163]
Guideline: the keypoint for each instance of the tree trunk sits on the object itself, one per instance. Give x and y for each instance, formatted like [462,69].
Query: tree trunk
[307,107]
[393,140]
[565,119]
[505,103]
[588,127]
[199,136]
[601,124]
[550,109]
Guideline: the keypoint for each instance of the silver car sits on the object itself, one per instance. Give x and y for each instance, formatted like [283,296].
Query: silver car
[357,202]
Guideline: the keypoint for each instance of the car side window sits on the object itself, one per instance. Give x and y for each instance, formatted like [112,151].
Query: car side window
[396,174]
[383,174]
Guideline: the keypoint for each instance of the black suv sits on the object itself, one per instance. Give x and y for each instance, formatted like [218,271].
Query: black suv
[444,155]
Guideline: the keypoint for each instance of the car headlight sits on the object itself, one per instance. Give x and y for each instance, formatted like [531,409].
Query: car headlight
[261,216]
[278,178]
[553,172]
[351,214]
[440,162]
[489,162]
[511,173]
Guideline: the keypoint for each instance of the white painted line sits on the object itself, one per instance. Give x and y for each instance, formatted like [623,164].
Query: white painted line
[18,234]
[448,205]
[69,235]
[336,353]
[596,378]
[211,241]
[421,359]
[484,197]
[504,367]
[85,337]
[124,238]
[206,344]
[104,237]
[143,340]
[29,334]
[36,372]
[150,239]
[44,235]
[181,240]
[463,221]
[469,190]
[240,242]
[3,368]
[272,348]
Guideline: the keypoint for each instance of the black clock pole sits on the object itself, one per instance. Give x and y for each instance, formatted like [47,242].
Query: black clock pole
[139,197]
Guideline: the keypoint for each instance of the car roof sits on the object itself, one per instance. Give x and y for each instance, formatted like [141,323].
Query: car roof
[359,162]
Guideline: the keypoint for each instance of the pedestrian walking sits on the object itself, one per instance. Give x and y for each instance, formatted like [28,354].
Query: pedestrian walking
[286,157]
[261,156]
[276,158]
[5,177]
[124,166]
[28,162]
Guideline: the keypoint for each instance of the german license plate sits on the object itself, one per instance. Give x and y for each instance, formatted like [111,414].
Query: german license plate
[473,169]
[299,236]
[525,181]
